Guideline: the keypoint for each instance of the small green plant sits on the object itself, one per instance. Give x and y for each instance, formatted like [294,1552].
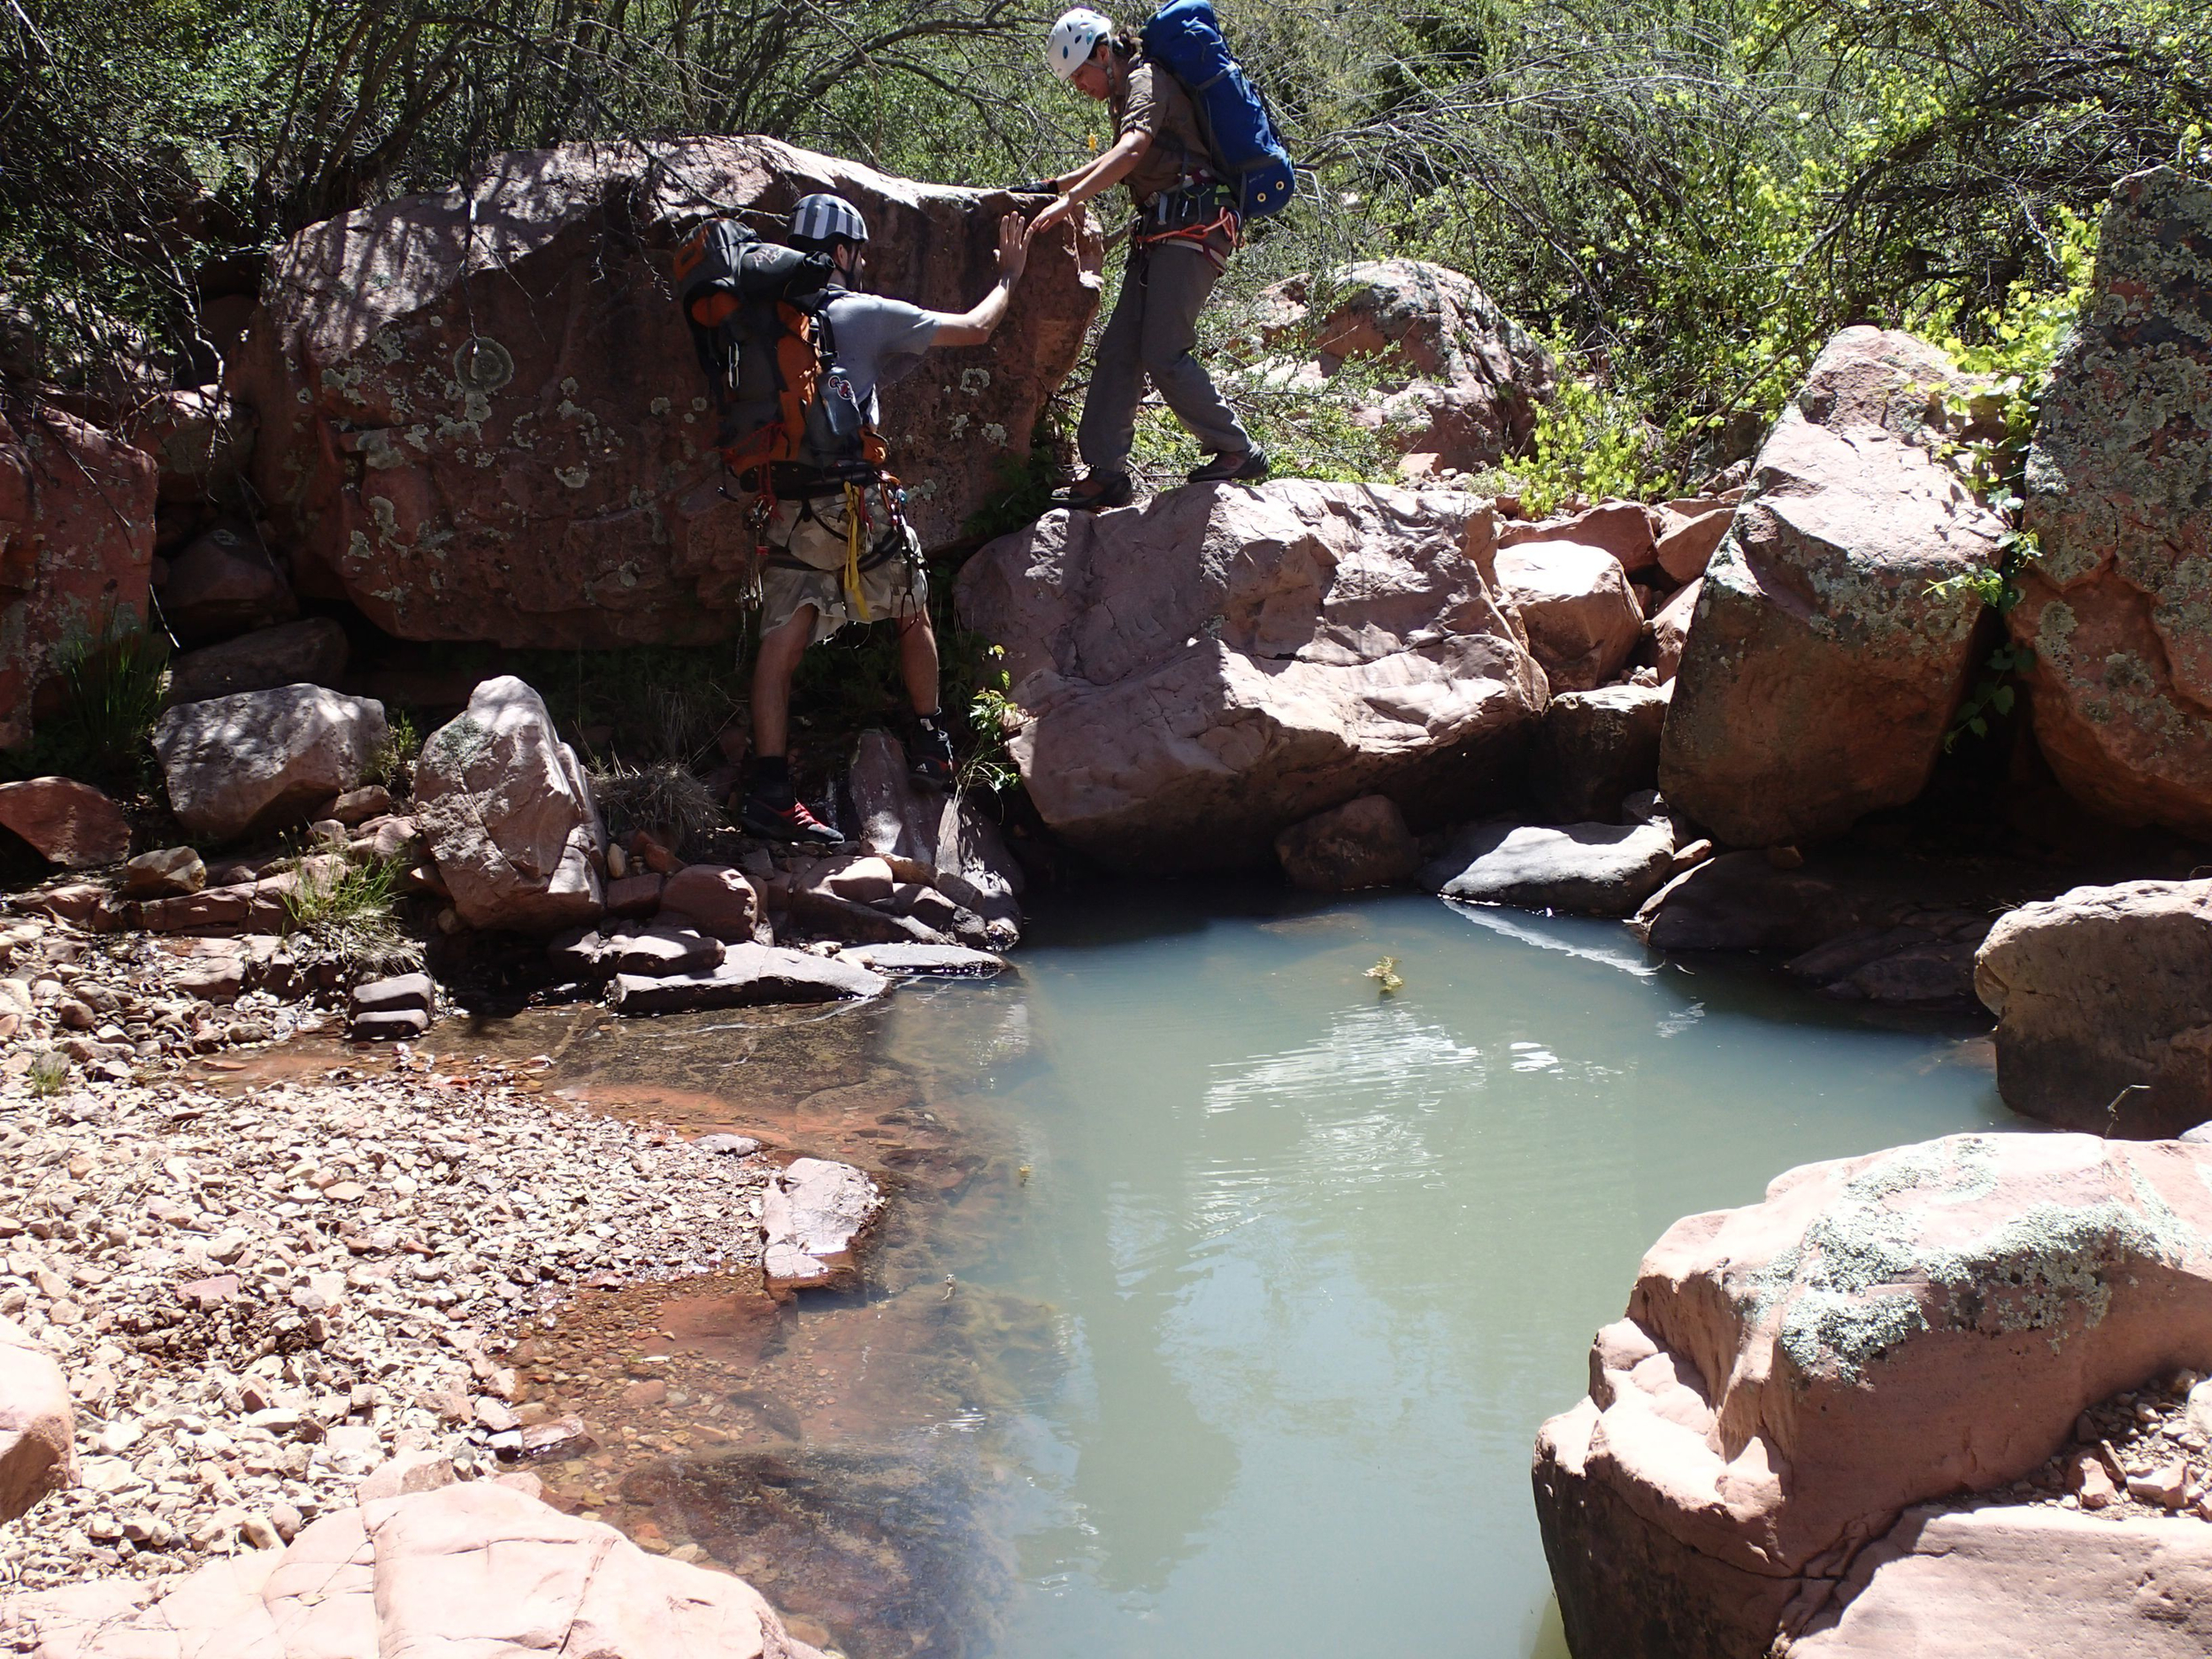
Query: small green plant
[346,908]
[992,718]
[49,1074]
[112,677]
[663,796]
[393,765]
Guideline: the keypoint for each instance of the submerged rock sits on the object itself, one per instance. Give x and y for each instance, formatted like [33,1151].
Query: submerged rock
[2116,605]
[1880,1332]
[2104,998]
[1585,869]
[812,1225]
[749,975]
[1822,672]
[508,814]
[1198,673]
[435,451]
[949,962]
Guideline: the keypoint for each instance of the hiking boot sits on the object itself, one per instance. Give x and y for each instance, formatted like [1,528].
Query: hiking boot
[1097,493]
[929,753]
[1248,468]
[789,823]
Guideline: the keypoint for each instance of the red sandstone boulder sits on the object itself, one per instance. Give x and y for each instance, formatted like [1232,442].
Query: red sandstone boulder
[1623,529]
[223,583]
[478,1568]
[198,438]
[1204,670]
[76,543]
[1581,614]
[66,823]
[2104,998]
[1363,843]
[508,815]
[716,899]
[1821,673]
[1476,376]
[481,417]
[37,1423]
[1879,1333]
[2117,606]
[1670,629]
[259,760]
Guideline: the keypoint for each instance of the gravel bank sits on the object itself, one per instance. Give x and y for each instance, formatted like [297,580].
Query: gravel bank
[258,1297]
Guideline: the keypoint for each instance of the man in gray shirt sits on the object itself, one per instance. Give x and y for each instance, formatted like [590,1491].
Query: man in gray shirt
[838,550]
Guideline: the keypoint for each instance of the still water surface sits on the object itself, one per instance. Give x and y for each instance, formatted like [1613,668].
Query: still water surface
[1321,1259]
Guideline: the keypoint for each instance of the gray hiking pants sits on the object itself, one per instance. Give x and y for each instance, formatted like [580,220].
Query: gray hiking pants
[1154,326]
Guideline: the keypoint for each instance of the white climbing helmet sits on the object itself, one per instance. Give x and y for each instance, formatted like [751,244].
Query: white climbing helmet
[1074,38]
[823,220]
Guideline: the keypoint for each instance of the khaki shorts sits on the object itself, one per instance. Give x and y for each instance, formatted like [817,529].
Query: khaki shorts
[893,588]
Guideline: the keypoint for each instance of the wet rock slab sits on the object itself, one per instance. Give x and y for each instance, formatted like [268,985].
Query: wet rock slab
[815,1215]
[749,975]
[944,961]
[1588,869]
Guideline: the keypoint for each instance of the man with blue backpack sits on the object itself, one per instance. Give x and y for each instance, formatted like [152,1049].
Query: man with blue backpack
[1195,146]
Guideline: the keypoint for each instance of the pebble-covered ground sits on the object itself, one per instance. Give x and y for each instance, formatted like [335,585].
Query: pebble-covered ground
[2147,1451]
[260,1295]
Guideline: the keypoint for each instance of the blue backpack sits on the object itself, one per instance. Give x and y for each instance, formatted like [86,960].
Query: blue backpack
[1184,37]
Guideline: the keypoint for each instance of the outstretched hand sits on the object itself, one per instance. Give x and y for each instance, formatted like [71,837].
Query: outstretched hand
[1061,206]
[1014,232]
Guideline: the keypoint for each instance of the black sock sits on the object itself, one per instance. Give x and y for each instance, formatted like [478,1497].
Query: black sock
[769,779]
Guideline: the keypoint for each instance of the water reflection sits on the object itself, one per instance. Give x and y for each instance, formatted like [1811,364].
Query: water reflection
[1224,1294]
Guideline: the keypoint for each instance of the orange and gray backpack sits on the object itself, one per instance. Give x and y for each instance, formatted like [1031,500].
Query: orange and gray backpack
[754,310]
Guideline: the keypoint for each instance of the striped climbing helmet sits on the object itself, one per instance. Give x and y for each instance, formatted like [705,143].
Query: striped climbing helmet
[822,221]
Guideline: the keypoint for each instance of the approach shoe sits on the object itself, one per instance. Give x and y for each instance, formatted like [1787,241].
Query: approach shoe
[1114,489]
[790,823]
[1248,468]
[929,754]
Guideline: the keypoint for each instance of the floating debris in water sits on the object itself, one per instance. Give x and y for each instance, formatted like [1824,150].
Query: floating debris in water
[1384,973]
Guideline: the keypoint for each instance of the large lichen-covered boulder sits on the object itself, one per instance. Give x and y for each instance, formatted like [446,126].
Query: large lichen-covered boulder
[1879,1333]
[1198,673]
[2117,606]
[481,417]
[76,545]
[2104,998]
[1469,379]
[1820,672]
[509,816]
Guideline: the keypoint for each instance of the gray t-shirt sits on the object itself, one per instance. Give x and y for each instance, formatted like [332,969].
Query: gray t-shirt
[878,342]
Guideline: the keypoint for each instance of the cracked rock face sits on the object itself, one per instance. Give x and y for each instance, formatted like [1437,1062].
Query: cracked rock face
[2118,605]
[1201,672]
[1879,1332]
[481,417]
[1820,673]
[76,546]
